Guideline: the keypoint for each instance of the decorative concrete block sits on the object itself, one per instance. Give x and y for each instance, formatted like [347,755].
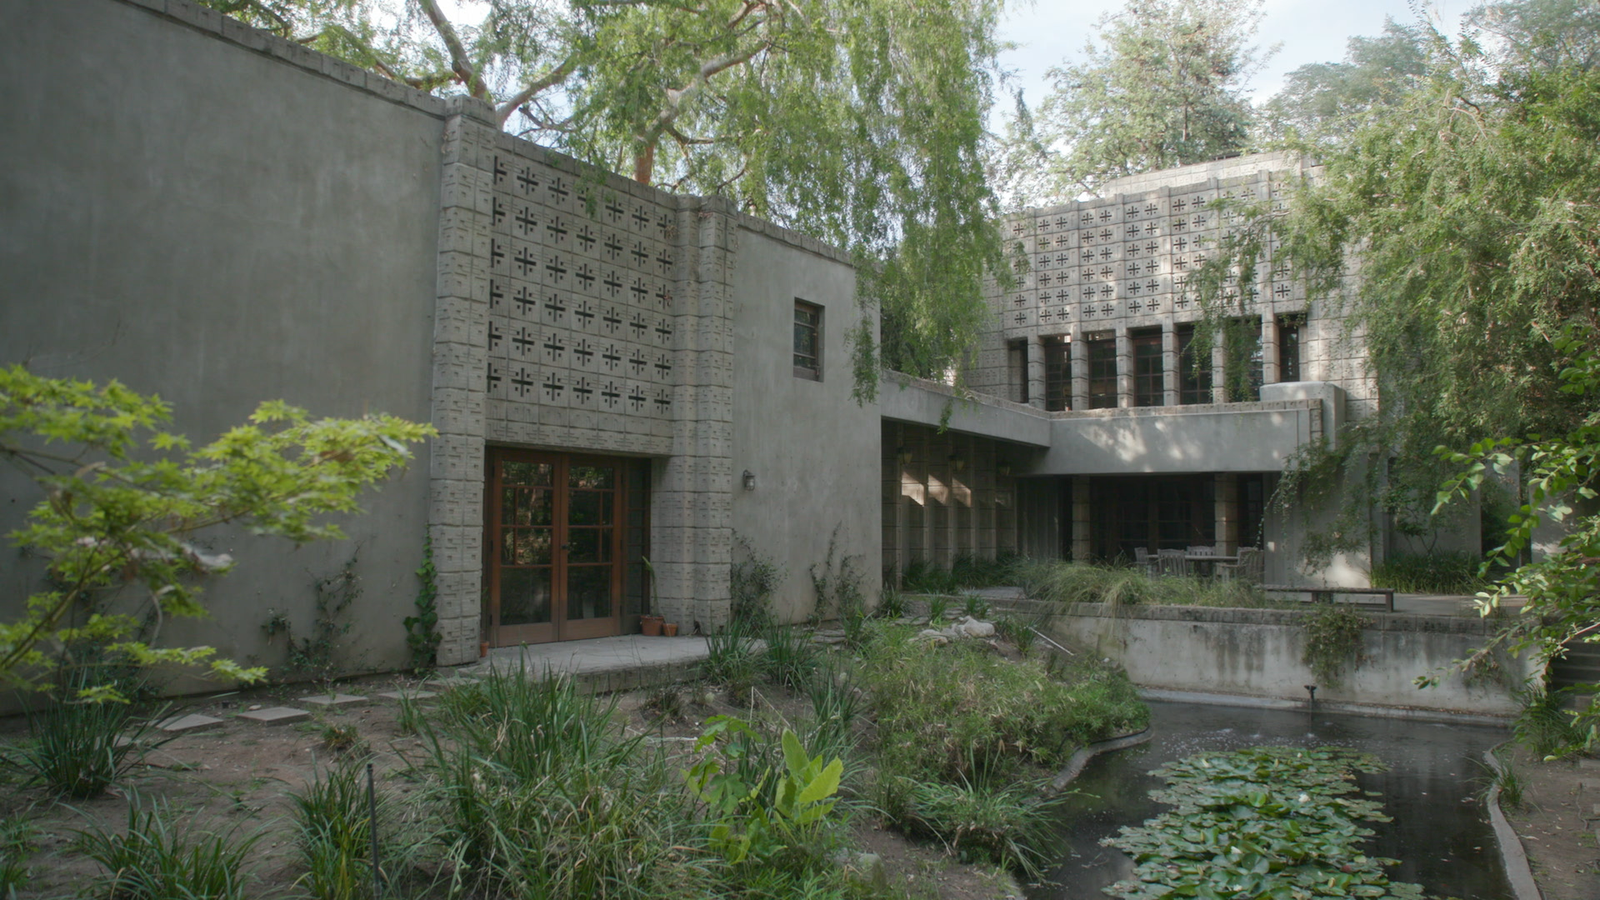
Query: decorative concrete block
[275,715]
[188,723]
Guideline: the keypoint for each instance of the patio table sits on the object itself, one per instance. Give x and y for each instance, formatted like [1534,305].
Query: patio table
[1211,559]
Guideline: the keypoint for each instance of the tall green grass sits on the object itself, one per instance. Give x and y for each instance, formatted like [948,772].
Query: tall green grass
[1444,572]
[1067,582]
[80,748]
[538,795]
[158,858]
[334,831]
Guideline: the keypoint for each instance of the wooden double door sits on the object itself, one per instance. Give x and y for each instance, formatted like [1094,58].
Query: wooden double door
[555,546]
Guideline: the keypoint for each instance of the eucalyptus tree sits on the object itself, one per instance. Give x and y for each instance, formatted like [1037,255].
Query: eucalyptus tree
[860,122]
[1164,86]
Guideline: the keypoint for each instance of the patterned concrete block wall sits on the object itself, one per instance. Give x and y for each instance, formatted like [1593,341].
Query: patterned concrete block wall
[579,311]
[1110,265]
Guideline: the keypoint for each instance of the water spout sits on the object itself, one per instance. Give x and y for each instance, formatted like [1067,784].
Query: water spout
[1312,690]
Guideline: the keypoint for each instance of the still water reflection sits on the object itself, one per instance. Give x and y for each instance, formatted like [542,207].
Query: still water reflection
[1439,832]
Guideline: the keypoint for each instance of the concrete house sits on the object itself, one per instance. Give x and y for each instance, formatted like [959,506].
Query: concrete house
[624,380]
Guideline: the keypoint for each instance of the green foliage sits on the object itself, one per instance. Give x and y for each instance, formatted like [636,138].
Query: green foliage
[1011,825]
[1443,572]
[1018,631]
[1260,823]
[1165,87]
[1501,773]
[16,848]
[966,571]
[125,498]
[1561,474]
[422,629]
[516,761]
[938,607]
[838,584]
[752,581]
[158,858]
[961,712]
[836,704]
[732,99]
[780,810]
[975,606]
[1332,637]
[1058,581]
[1543,725]
[791,659]
[1327,101]
[318,655]
[732,658]
[79,748]
[334,832]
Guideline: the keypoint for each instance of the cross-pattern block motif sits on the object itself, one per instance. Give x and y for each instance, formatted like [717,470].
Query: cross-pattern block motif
[582,313]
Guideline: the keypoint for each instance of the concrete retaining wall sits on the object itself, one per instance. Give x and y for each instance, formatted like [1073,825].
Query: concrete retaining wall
[1258,653]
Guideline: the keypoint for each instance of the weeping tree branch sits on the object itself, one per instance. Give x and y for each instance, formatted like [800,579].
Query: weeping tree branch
[458,51]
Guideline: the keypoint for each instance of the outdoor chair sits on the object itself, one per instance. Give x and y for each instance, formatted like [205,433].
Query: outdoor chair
[1250,567]
[1143,560]
[1172,564]
[1202,550]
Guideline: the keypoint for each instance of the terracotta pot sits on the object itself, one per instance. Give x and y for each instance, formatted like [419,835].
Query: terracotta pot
[650,625]
[483,649]
[670,629]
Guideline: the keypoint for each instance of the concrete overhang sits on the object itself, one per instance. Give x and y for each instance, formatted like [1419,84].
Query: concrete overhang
[1224,437]
[902,398]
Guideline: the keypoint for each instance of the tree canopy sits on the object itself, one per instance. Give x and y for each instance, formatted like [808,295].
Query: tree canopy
[860,122]
[1164,86]
[1467,206]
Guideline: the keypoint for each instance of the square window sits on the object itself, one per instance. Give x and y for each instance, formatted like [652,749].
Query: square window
[807,340]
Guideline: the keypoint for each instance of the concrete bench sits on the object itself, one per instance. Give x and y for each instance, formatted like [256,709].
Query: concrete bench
[1325,594]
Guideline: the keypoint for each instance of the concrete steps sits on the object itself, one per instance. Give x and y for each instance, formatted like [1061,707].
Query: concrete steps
[1581,665]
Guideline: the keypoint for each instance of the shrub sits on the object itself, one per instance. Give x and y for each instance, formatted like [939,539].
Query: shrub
[1068,582]
[515,763]
[1011,825]
[16,846]
[79,748]
[1333,642]
[731,658]
[1543,726]
[1443,572]
[155,859]
[334,832]
[960,712]
[791,657]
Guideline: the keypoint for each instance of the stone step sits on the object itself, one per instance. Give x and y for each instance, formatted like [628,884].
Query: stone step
[275,715]
[330,701]
[189,723]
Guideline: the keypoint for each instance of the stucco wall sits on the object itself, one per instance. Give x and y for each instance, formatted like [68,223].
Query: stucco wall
[812,449]
[204,221]
[1258,653]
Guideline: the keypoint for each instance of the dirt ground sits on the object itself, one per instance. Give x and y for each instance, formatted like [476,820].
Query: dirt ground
[1556,821]
[239,776]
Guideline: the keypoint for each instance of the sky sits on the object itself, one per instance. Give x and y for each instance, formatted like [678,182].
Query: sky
[1309,31]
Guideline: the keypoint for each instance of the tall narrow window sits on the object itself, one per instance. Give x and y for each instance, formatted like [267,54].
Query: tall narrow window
[1194,368]
[1017,369]
[807,340]
[1057,374]
[1103,373]
[1147,368]
[1289,347]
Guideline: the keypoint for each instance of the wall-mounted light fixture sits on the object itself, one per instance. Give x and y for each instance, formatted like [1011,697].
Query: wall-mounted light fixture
[749,480]
[1004,468]
[903,454]
[957,462]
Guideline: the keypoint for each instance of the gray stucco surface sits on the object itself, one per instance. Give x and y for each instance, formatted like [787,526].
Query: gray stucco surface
[813,450]
[220,228]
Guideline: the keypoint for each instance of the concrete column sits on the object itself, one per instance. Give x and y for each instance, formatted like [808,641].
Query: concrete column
[1080,520]
[1227,513]
[1080,371]
[1169,363]
[1219,372]
[1035,372]
[1269,348]
[1124,369]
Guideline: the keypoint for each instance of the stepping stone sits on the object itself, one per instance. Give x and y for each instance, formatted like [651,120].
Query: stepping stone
[188,723]
[334,700]
[276,715]
[408,695]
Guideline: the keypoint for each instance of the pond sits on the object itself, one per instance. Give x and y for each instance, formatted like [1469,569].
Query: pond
[1440,832]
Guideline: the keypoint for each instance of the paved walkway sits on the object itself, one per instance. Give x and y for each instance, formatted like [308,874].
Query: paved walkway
[624,663]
